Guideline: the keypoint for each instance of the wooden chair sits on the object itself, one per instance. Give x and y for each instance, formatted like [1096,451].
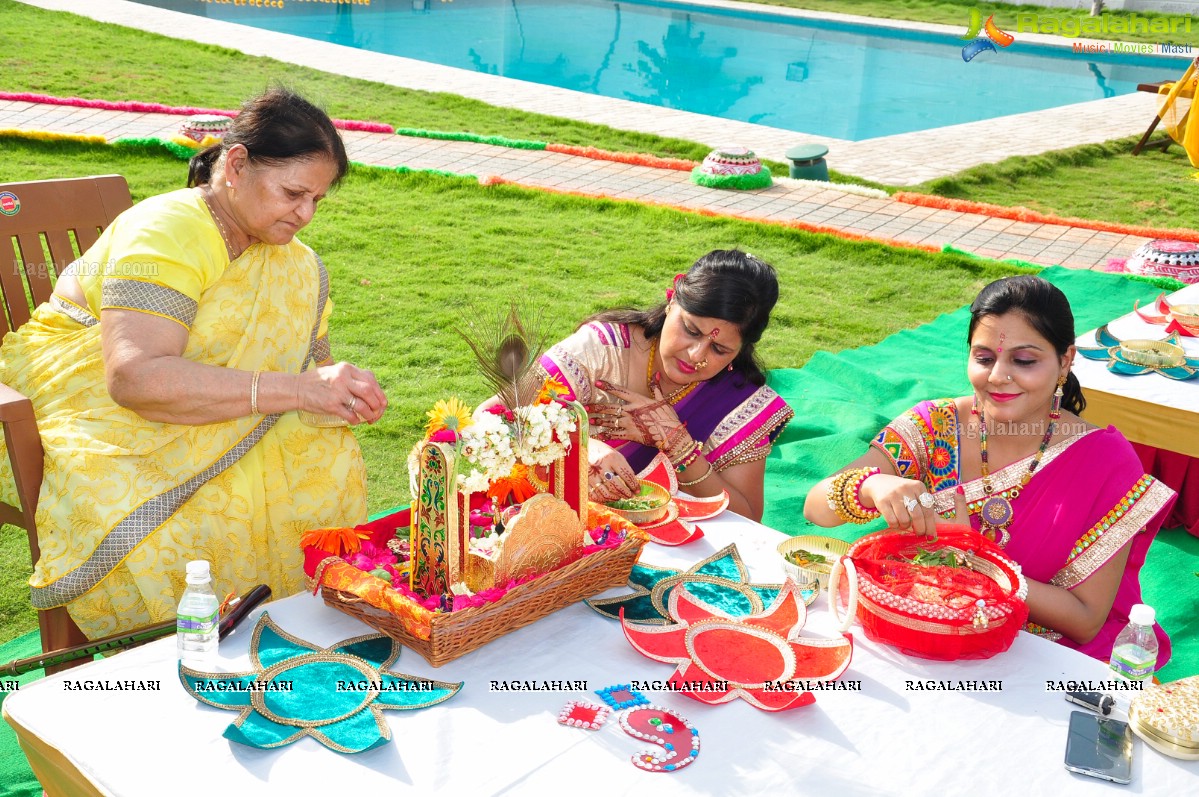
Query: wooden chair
[1184,87]
[1162,143]
[38,221]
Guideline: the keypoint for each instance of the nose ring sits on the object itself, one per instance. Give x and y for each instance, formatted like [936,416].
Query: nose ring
[701,365]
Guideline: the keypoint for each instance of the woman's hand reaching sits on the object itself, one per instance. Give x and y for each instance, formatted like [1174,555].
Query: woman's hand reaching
[610,477]
[904,503]
[343,390]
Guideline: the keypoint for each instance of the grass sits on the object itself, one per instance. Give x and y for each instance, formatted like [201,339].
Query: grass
[402,249]
[1094,181]
[957,13]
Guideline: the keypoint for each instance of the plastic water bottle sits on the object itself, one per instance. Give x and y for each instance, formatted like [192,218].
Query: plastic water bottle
[197,619]
[1135,653]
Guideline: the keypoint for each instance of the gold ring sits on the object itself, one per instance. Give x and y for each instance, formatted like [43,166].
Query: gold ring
[353,403]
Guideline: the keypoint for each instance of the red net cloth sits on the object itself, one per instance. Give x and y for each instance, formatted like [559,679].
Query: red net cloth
[931,608]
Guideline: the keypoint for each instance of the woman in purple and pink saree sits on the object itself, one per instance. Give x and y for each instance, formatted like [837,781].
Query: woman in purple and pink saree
[681,380]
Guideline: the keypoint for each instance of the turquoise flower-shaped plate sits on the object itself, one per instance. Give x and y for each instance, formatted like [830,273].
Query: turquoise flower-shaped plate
[1136,357]
[335,695]
[721,580]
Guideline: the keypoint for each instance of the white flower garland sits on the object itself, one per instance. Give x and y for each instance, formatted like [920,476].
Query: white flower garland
[492,446]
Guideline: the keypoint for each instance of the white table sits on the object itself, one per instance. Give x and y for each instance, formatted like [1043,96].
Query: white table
[1149,409]
[881,740]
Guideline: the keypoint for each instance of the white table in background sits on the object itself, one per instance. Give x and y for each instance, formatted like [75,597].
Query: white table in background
[1150,409]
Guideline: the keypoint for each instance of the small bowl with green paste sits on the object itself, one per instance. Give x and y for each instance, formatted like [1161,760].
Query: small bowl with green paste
[651,504]
[809,559]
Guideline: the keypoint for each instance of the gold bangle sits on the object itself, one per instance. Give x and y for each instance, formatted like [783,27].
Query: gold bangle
[254,393]
[709,472]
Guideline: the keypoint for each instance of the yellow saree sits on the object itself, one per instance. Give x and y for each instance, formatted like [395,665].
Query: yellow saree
[126,502]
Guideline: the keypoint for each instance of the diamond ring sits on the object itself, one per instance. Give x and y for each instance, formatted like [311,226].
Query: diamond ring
[926,500]
[910,503]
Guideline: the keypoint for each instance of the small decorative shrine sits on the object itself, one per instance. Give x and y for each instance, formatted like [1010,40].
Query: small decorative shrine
[500,532]
[732,167]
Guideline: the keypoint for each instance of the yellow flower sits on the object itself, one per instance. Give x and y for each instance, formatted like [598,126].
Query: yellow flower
[452,414]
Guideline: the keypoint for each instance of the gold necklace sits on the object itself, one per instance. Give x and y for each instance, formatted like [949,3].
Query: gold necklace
[220,225]
[676,396]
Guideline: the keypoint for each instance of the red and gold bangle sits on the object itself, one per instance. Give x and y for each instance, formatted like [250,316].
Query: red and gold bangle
[843,496]
[688,458]
[855,497]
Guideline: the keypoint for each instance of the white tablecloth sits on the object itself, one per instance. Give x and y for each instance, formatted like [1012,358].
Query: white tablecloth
[884,739]
[1150,409]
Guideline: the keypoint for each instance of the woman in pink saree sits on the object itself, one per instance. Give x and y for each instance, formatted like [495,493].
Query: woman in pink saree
[1069,502]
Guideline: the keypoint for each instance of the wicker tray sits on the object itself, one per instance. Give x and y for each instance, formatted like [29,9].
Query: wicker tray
[455,634]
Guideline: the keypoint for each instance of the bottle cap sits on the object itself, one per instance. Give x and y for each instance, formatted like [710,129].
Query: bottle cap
[1141,614]
[199,572]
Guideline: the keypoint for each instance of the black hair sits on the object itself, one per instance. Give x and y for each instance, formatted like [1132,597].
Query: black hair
[727,284]
[1048,312]
[274,127]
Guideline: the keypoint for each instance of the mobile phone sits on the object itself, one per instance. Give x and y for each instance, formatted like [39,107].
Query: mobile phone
[1099,747]
[1095,701]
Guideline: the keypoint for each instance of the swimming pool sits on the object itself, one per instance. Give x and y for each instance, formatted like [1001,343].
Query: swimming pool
[826,78]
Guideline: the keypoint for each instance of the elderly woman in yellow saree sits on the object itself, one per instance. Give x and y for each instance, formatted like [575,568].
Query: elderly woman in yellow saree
[177,375]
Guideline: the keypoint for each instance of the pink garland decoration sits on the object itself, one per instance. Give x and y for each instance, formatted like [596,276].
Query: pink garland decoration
[804,226]
[1036,217]
[635,159]
[154,107]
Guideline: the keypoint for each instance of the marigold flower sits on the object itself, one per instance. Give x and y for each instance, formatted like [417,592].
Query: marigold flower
[551,389]
[338,542]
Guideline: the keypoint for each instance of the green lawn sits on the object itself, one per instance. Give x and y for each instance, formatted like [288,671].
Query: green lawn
[1094,181]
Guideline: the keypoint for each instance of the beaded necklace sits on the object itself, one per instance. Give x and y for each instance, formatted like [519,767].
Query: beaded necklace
[676,396]
[995,512]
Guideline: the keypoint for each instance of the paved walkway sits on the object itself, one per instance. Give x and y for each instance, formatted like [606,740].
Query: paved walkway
[786,200]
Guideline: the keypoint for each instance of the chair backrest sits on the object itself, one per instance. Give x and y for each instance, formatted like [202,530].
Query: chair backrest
[44,226]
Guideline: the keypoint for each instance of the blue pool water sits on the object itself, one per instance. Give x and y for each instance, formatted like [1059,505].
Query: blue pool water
[832,79]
